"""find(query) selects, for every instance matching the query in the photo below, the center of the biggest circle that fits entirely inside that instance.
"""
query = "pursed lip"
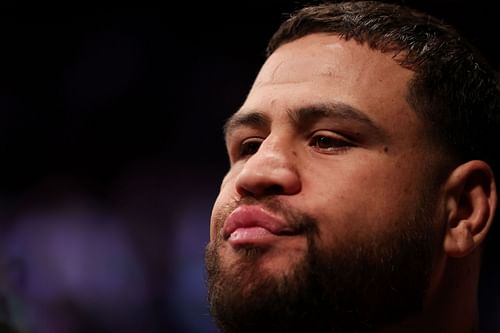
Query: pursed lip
(250, 216)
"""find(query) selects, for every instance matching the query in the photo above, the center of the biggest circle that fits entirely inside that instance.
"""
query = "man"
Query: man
(361, 186)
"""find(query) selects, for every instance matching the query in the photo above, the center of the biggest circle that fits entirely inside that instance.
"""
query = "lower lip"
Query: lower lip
(251, 236)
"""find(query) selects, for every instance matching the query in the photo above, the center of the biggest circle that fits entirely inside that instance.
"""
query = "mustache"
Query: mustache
(298, 221)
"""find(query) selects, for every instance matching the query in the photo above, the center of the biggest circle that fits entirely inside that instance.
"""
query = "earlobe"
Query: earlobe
(470, 196)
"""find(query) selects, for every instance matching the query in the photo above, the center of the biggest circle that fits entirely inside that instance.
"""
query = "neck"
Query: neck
(451, 303)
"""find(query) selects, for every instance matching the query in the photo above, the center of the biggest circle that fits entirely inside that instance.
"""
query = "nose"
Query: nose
(271, 170)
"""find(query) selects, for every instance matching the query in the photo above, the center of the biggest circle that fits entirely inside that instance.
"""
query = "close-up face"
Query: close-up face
(326, 129)
(325, 153)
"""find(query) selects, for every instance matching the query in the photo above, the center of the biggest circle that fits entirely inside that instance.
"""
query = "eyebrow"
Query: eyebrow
(304, 117)
(253, 119)
(307, 115)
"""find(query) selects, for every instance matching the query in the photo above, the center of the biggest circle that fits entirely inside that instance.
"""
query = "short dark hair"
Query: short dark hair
(454, 89)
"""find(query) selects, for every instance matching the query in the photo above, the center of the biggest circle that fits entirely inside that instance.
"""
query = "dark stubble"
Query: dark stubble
(361, 285)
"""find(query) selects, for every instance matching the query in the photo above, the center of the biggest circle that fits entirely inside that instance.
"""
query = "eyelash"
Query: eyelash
(249, 147)
(334, 144)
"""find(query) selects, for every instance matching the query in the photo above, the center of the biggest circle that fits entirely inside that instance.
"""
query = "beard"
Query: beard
(362, 284)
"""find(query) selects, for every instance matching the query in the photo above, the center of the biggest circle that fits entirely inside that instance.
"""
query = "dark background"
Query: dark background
(112, 153)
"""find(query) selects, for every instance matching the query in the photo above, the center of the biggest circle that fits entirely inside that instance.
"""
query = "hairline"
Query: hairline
(399, 55)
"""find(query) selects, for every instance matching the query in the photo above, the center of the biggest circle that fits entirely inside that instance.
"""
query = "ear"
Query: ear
(471, 198)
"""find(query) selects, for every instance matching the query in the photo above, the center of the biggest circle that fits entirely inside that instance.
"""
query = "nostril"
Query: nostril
(274, 189)
(244, 192)
(264, 191)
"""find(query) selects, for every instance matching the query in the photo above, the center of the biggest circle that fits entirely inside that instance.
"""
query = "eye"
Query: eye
(249, 147)
(329, 143)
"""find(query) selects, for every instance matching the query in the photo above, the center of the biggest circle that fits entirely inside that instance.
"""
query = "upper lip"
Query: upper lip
(255, 216)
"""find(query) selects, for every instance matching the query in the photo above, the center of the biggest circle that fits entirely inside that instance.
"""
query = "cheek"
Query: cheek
(360, 200)
(216, 209)
(225, 197)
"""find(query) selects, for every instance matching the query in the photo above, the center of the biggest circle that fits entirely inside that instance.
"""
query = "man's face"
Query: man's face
(332, 186)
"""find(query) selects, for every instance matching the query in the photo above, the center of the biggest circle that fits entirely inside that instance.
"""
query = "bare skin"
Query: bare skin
(327, 128)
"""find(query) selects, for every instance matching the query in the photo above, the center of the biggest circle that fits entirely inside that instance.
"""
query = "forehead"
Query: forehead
(323, 68)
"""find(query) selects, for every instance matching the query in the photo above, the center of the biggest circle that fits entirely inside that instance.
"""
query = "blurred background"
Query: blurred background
(112, 154)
